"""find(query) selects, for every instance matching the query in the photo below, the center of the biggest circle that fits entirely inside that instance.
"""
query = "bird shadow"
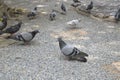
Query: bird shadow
(73, 28)
(71, 59)
(27, 44)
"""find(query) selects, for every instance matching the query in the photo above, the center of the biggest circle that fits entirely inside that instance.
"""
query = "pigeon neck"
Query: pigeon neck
(62, 44)
(34, 33)
(19, 25)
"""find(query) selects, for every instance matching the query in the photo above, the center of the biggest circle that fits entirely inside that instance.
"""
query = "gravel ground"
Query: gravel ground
(42, 59)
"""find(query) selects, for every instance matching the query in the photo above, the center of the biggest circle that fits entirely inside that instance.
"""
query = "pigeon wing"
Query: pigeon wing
(67, 50)
(26, 36)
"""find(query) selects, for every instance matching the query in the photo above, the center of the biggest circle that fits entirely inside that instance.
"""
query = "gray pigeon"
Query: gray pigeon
(117, 15)
(32, 14)
(71, 52)
(90, 6)
(52, 15)
(12, 29)
(63, 8)
(24, 36)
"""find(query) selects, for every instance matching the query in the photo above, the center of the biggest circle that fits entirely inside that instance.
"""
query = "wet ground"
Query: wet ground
(42, 59)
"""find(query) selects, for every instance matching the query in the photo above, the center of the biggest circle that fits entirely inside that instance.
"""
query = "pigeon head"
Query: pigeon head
(34, 32)
(20, 23)
(35, 8)
(91, 2)
(8, 8)
(59, 38)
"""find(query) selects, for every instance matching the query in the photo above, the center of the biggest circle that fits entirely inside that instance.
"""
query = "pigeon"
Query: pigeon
(90, 6)
(63, 8)
(32, 14)
(117, 15)
(76, 1)
(12, 29)
(24, 36)
(52, 15)
(3, 22)
(73, 22)
(71, 52)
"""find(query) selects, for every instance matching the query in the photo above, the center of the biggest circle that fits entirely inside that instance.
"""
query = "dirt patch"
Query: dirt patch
(117, 65)
(5, 42)
(71, 34)
(113, 68)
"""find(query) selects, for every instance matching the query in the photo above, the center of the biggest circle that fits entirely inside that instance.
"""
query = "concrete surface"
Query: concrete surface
(42, 59)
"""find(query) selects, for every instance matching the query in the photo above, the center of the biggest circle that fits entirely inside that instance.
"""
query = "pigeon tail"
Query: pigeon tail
(82, 54)
(61, 43)
(82, 59)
